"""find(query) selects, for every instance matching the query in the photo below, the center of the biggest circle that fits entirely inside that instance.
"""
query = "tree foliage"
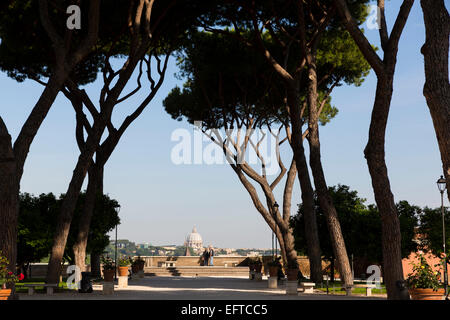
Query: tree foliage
(361, 226)
(35, 227)
(37, 221)
(226, 80)
(26, 50)
(430, 230)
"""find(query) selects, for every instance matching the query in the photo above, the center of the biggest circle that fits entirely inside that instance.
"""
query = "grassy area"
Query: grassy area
(20, 288)
(336, 288)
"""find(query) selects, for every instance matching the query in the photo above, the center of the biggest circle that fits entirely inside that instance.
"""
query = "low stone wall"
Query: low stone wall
(230, 261)
(190, 261)
(196, 271)
(39, 270)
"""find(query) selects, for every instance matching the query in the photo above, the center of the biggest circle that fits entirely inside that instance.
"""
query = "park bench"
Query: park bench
(368, 288)
(308, 287)
(48, 286)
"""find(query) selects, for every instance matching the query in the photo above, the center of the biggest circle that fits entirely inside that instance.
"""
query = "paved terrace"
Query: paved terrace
(194, 288)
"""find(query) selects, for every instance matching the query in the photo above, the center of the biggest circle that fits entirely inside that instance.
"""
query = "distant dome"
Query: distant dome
(194, 240)
(194, 236)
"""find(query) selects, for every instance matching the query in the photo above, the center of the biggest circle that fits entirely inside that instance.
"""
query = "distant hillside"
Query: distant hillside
(129, 248)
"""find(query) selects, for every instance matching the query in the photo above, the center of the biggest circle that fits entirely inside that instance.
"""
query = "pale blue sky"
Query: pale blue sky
(161, 202)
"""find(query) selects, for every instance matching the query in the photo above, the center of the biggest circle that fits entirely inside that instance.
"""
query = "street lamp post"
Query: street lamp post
(442, 183)
(115, 248)
(276, 206)
(273, 251)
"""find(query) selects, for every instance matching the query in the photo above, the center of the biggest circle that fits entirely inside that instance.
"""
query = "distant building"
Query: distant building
(230, 251)
(144, 245)
(194, 240)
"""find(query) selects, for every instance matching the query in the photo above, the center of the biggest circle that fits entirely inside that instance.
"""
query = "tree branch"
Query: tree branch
(384, 38)
(397, 29)
(362, 42)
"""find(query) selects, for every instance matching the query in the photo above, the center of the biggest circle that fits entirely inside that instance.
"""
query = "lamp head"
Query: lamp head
(442, 184)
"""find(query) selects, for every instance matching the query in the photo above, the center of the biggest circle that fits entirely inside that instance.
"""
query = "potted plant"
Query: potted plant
(135, 267)
(138, 265)
(108, 268)
(6, 276)
(274, 266)
(423, 282)
(124, 263)
(141, 263)
(258, 264)
(292, 272)
(251, 268)
(251, 265)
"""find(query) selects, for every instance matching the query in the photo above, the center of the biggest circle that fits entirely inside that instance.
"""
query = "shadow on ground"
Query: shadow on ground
(193, 288)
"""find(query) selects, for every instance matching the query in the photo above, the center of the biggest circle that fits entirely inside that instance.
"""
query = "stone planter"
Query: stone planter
(135, 268)
(5, 294)
(291, 287)
(141, 266)
(122, 282)
(426, 294)
(108, 288)
(273, 271)
(108, 275)
(123, 271)
(273, 282)
(258, 268)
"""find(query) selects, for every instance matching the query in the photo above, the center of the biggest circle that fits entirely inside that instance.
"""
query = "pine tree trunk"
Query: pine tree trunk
(37, 116)
(67, 210)
(374, 151)
(311, 230)
(70, 200)
(283, 251)
(326, 203)
(291, 253)
(9, 198)
(437, 88)
(12, 161)
(84, 161)
(95, 265)
(325, 200)
(93, 189)
(390, 227)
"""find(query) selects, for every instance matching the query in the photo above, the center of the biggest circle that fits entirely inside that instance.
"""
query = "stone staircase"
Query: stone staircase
(206, 271)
